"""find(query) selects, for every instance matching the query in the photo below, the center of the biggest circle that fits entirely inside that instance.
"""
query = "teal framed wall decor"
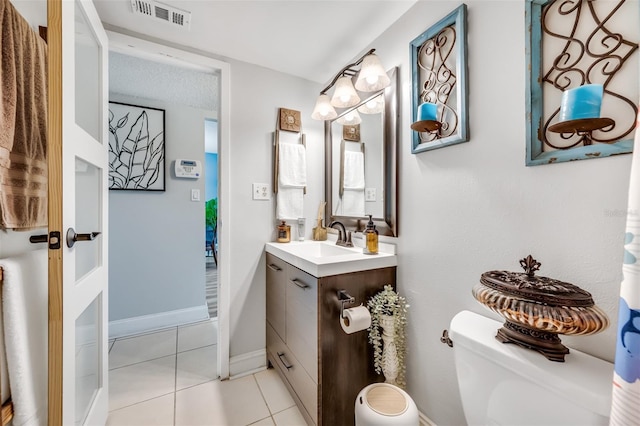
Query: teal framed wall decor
(571, 43)
(439, 76)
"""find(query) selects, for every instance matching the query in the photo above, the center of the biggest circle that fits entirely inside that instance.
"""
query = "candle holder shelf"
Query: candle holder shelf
(582, 127)
(428, 126)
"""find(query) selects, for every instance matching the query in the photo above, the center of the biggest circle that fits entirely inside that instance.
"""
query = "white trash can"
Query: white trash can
(382, 404)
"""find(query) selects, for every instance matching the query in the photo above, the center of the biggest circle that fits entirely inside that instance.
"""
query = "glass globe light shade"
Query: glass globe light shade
(345, 95)
(323, 109)
(372, 76)
(351, 118)
(372, 106)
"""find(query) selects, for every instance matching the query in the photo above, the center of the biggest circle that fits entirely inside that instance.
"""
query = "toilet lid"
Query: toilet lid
(386, 400)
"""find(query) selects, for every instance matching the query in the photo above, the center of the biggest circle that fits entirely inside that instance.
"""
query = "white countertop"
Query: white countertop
(324, 258)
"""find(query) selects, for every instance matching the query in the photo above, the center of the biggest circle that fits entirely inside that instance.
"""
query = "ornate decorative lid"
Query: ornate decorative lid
(535, 289)
(537, 309)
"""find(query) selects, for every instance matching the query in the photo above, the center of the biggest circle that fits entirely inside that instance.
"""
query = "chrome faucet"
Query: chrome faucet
(344, 238)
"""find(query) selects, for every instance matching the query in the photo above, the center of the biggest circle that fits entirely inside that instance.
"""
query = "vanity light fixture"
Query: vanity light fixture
(350, 119)
(371, 77)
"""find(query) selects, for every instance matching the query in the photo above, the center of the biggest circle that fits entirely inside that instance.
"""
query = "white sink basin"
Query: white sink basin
(318, 249)
(325, 258)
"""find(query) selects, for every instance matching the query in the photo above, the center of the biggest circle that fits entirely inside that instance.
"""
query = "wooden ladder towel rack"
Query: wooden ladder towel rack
(6, 414)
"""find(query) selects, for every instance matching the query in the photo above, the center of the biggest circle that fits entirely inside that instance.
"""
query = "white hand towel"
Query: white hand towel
(289, 203)
(25, 306)
(292, 178)
(353, 202)
(292, 165)
(353, 170)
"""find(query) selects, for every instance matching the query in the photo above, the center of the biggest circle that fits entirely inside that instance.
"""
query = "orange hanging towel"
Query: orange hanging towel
(23, 123)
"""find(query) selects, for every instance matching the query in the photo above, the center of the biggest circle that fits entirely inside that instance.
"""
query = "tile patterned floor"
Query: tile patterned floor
(169, 378)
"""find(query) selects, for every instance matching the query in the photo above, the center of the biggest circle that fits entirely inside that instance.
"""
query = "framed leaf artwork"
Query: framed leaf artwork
(136, 147)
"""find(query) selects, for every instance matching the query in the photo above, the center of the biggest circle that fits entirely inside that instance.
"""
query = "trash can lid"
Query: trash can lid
(386, 400)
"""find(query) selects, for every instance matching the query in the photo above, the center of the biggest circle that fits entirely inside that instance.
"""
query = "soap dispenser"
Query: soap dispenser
(284, 232)
(370, 238)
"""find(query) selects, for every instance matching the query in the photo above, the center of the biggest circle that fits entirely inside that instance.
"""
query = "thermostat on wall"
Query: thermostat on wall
(188, 168)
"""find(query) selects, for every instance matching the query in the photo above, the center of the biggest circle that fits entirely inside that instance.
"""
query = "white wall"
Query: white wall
(156, 242)
(256, 95)
(474, 207)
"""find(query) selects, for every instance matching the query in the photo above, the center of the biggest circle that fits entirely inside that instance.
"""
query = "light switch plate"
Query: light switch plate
(195, 195)
(261, 191)
(369, 194)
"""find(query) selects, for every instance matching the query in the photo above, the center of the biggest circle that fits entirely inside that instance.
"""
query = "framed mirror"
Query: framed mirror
(361, 162)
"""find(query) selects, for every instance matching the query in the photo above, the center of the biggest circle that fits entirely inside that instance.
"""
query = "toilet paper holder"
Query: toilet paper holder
(344, 297)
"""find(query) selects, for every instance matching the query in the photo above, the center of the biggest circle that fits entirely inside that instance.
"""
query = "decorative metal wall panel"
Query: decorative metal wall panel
(571, 43)
(439, 68)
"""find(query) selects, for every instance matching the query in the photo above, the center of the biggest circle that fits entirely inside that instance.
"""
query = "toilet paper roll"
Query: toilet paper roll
(355, 319)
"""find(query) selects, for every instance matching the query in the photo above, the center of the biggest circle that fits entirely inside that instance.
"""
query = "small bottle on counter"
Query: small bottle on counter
(370, 238)
(284, 233)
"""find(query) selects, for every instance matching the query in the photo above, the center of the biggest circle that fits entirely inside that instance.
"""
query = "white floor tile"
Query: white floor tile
(289, 417)
(155, 412)
(197, 366)
(274, 391)
(140, 382)
(264, 422)
(130, 350)
(197, 335)
(232, 402)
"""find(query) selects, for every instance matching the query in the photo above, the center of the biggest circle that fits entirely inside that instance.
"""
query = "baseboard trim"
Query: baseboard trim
(424, 420)
(146, 323)
(247, 363)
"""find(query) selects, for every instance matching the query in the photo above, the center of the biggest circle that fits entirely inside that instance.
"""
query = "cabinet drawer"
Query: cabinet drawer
(305, 388)
(302, 319)
(276, 285)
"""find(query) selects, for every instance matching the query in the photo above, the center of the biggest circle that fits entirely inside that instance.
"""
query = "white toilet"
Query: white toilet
(504, 384)
(382, 404)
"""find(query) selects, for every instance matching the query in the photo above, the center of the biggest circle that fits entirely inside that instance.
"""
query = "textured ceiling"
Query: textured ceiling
(312, 39)
(134, 76)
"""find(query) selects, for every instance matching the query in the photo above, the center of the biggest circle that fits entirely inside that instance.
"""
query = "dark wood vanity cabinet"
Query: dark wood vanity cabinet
(323, 367)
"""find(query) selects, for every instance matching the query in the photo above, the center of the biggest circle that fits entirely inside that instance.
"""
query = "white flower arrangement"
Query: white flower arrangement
(388, 302)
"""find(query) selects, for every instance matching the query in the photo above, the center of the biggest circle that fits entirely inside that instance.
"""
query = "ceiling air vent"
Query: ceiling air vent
(163, 12)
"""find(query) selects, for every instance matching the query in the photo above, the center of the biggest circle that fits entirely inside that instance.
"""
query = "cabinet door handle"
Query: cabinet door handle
(274, 267)
(284, 361)
(300, 284)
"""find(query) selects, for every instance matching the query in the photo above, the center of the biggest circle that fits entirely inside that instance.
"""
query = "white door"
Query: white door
(82, 395)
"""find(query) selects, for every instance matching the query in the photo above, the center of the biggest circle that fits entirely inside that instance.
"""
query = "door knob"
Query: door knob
(72, 237)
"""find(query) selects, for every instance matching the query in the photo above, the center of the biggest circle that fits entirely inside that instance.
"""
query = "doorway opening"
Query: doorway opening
(211, 214)
(144, 49)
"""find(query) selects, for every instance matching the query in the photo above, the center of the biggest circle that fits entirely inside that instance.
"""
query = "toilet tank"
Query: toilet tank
(505, 384)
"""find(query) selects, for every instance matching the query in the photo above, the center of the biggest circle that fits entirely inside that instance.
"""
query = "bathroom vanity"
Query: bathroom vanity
(323, 367)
